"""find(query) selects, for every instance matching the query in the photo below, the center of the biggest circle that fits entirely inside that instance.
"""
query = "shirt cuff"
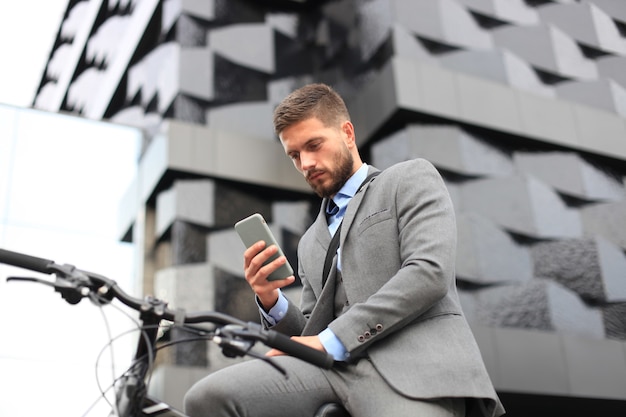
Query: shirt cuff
(276, 313)
(333, 345)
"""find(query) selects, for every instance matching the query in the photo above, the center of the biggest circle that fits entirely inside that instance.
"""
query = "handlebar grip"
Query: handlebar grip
(26, 261)
(285, 344)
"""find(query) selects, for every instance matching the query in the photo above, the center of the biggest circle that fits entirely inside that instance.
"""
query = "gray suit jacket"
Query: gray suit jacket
(398, 248)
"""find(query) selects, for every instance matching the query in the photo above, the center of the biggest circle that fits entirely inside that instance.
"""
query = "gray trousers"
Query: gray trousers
(254, 389)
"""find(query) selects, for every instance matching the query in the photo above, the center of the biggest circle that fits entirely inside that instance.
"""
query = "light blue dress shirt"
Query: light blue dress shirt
(331, 343)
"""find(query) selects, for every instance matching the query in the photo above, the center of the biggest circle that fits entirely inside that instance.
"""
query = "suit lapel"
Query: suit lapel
(353, 208)
(320, 226)
(322, 240)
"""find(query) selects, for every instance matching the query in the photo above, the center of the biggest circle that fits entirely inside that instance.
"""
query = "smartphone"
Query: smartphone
(254, 228)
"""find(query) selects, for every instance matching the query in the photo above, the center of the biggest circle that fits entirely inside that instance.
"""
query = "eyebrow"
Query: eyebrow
(308, 141)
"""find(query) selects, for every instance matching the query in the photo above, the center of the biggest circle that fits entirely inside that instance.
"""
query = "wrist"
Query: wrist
(268, 300)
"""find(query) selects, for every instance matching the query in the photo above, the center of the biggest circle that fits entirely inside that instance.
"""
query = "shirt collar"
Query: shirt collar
(351, 186)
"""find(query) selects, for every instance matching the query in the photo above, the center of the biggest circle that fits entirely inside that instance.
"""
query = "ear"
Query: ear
(348, 130)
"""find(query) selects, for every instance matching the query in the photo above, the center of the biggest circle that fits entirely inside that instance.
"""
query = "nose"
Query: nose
(307, 162)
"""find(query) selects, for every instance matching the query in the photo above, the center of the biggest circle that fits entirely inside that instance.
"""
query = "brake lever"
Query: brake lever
(235, 340)
(232, 340)
(70, 291)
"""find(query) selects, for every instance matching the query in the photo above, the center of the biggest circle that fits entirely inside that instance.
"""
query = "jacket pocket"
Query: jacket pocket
(373, 219)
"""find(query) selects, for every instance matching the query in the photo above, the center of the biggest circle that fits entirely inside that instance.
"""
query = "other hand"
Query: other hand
(256, 273)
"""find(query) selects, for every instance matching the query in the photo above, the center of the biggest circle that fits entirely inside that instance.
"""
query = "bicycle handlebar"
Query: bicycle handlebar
(75, 284)
(26, 261)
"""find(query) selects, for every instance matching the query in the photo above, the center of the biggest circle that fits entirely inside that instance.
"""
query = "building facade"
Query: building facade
(520, 104)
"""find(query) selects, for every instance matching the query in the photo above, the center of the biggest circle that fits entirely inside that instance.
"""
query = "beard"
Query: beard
(341, 173)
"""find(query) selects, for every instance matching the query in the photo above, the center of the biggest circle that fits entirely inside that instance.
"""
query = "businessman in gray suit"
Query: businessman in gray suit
(387, 310)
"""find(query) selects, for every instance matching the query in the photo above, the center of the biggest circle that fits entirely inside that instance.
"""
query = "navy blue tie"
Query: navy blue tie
(332, 209)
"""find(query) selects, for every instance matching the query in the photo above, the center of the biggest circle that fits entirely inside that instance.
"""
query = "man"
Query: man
(388, 310)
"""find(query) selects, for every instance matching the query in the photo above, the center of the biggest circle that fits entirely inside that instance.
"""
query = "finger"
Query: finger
(270, 266)
(263, 256)
(261, 266)
(265, 271)
(252, 251)
(274, 352)
(280, 283)
(254, 258)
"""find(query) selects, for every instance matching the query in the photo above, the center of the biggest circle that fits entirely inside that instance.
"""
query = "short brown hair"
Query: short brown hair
(313, 100)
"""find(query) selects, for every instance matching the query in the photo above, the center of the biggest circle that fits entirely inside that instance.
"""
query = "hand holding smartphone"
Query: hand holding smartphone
(254, 228)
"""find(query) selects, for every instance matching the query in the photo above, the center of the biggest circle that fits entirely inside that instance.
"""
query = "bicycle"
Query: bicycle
(235, 337)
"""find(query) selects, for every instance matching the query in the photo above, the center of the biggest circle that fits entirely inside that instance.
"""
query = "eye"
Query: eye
(294, 156)
(313, 146)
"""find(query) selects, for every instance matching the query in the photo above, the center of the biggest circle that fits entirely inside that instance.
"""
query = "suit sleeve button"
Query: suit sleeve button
(379, 327)
(361, 338)
(367, 335)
